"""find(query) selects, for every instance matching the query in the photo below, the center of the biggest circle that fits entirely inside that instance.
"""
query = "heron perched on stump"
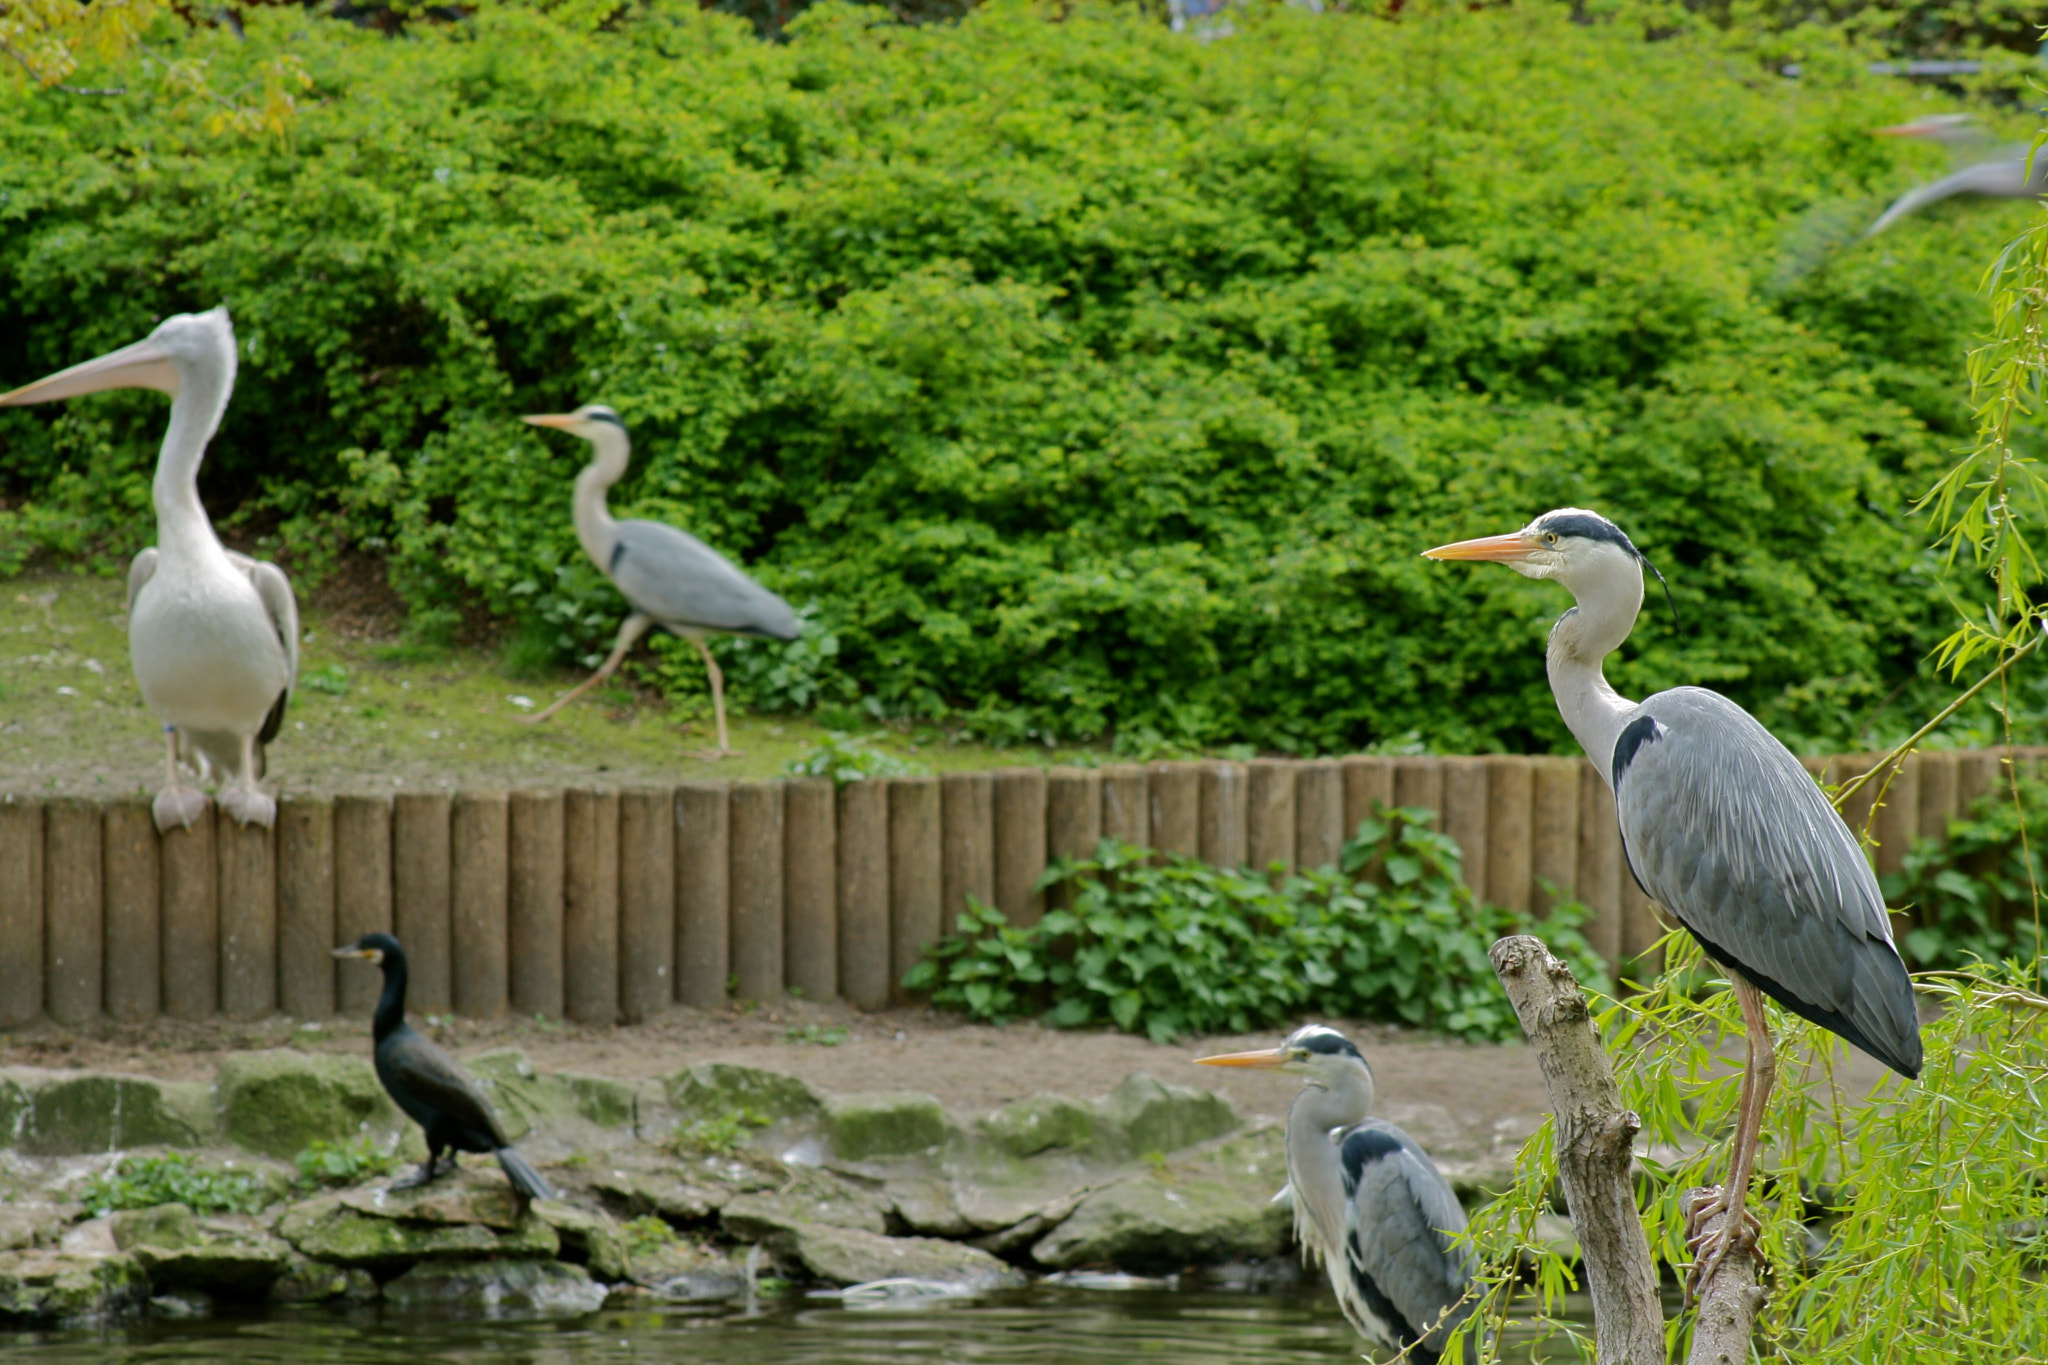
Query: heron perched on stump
(213, 636)
(1368, 1201)
(668, 577)
(1722, 827)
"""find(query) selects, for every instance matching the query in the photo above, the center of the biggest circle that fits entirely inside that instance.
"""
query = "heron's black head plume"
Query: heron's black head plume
(1592, 526)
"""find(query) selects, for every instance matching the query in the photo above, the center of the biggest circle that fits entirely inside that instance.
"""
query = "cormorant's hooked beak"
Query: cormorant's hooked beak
(560, 421)
(144, 365)
(375, 955)
(1508, 549)
(1271, 1058)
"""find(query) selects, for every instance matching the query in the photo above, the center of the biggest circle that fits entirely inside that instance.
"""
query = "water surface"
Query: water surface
(1042, 1325)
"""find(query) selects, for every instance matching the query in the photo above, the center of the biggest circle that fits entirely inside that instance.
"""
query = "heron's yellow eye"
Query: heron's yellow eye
(1550, 537)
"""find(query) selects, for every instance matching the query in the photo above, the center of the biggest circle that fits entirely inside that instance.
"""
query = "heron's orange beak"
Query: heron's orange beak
(1271, 1058)
(1505, 549)
(145, 365)
(559, 421)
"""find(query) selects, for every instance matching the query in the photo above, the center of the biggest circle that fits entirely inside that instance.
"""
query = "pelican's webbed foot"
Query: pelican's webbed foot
(250, 806)
(178, 807)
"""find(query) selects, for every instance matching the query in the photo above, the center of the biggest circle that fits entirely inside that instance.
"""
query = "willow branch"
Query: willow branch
(1890, 760)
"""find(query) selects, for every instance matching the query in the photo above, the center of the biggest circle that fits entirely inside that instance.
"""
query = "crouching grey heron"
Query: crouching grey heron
(668, 577)
(1368, 1201)
(1722, 827)
(213, 636)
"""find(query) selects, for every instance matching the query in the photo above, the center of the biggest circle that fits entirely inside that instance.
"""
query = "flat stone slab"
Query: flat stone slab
(850, 1256)
(326, 1229)
(235, 1268)
(61, 1113)
(29, 1225)
(464, 1197)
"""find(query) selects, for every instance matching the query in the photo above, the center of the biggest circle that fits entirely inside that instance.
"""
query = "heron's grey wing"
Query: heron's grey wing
(2002, 179)
(1723, 828)
(436, 1078)
(681, 582)
(1407, 1264)
(140, 570)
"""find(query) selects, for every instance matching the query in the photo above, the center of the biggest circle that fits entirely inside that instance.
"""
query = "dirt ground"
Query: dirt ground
(969, 1067)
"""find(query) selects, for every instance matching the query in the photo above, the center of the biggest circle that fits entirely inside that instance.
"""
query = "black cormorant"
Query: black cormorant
(428, 1085)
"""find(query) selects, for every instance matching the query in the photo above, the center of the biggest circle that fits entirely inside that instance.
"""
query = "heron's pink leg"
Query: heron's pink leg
(724, 748)
(1759, 1074)
(630, 631)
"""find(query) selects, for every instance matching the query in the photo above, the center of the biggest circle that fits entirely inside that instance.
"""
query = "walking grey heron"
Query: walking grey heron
(2004, 176)
(213, 636)
(1368, 1201)
(1722, 827)
(668, 577)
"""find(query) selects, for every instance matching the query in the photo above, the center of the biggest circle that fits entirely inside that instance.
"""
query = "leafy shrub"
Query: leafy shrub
(343, 1163)
(1171, 945)
(1086, 380)
(1972, 899)
(143, 1182)
(849, 758)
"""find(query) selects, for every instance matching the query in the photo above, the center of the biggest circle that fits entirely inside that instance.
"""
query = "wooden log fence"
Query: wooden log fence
(607, 904)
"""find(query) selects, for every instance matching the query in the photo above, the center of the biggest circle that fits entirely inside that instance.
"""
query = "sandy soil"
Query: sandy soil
(969, 1067)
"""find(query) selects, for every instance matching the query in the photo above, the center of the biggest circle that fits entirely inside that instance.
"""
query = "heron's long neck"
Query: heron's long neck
(594, 525)
(182, 527)
(1314, 1165)
(390, 1015)
(1581, 639)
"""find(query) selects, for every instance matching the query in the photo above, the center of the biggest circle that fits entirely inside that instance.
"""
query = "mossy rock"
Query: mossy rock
(234, 1269)
(166, 1225)
(590, 1238)
(1202, 1207)
(884, 1124)
(70, 1112)
(305, 1281)
(713, 1091)
(46, 1286)
(1142, 1116)
(325, 1229)
(850, 1256)
(600, 1100)
(278, 1102)
(498, 1288)
(1040, 1123)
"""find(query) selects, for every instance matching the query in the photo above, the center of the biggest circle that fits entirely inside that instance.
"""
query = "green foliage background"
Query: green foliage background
(1077, 377)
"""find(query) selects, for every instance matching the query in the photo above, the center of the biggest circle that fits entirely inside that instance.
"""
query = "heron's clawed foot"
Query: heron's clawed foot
(250, 806)
(1709, 1245)
(178, 807)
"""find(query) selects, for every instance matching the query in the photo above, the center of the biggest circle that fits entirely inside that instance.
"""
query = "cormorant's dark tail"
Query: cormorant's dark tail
(524, 1178)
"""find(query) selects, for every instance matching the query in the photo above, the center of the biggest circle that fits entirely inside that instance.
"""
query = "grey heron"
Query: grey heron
(1722, 827)
(1368, 1201)
(213, 636)
(2004, 176)
(668, 577)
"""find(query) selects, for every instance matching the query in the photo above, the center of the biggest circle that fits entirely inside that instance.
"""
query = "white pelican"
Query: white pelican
(668, 577)
(213, 636)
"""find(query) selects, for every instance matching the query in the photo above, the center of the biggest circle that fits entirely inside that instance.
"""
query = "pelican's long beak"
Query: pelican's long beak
(1505, 549)
(145, 365)
(1271, 1058)
(560, 421)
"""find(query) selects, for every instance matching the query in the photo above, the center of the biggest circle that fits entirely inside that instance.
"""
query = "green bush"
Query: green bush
(1074, 378)
(1972, 899)
(1168, 945)
(143, 1182)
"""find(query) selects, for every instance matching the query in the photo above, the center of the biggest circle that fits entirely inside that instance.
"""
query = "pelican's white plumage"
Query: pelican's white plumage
(213, 636)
